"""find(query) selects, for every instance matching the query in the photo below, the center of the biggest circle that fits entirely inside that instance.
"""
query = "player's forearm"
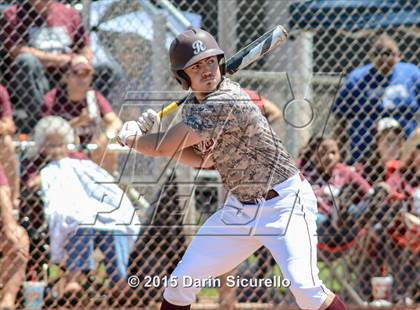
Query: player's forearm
(160, 144)
(148, 145)
(46, 58)
(188, 157)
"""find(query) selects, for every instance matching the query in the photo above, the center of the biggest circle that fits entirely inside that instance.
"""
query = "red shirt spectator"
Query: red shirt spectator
(267, 108)
(60, 30)
(256, 98)
(402, 191)
(5, 105)
(57, 103)
(391, 167)
(341, 177)
(336, 186)
(346, 187)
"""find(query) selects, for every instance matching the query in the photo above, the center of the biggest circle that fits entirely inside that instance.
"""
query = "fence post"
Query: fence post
(159, 53)
(299, 112)
(277, 14)
(86, 13)
(226, 23)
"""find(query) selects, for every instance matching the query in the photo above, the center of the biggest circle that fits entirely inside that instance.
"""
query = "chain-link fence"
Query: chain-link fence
(347, 84)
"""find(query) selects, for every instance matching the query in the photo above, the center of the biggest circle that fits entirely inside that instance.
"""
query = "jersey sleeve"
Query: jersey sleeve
(216, 115)
(5, 105)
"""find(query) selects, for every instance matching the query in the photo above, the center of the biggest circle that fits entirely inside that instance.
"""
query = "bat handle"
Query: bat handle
(171, 107)
(168, 109)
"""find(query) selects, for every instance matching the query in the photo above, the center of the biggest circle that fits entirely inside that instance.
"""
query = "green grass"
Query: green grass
(209, 293)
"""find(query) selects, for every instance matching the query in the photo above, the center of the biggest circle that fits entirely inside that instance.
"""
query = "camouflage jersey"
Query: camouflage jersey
(249, 156)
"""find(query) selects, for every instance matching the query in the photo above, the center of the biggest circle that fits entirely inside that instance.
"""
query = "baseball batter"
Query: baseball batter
(269, 202)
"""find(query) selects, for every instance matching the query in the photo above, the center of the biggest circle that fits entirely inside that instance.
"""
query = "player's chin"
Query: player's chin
(209, 86)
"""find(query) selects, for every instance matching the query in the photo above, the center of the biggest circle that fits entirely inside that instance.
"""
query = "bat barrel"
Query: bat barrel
(256, 49)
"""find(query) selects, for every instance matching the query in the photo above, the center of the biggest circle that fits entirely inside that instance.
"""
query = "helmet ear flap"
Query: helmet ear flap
(183, 79)
(222, 64)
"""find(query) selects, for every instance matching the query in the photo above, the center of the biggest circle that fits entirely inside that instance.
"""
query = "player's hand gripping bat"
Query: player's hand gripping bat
(246, 56)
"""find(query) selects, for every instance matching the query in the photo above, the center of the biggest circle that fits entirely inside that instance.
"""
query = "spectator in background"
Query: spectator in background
(393, 224)
(40, 37)
(388, 142)
(14, 246)
(339, 190)
(384, 161)
(404, 225)
(386, 87)
(87, 111)
(269, 109)
(82, 214)
(7, 148)
(32, 215)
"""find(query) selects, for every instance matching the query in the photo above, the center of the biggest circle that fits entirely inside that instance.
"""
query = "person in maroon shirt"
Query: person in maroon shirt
(40, 38)
(393, 217)
(14, 246)
(401, 220)
(336, 186)
(7, 147)
(268, 108)
(87, 111)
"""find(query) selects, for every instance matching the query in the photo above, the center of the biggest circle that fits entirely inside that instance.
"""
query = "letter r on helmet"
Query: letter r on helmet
(198, 47)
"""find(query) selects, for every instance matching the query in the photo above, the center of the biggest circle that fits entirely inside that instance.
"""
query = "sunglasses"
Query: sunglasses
(81, 73)
(383, 53)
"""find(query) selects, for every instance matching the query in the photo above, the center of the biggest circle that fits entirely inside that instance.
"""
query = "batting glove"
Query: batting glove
(149, 122)
(130, 128)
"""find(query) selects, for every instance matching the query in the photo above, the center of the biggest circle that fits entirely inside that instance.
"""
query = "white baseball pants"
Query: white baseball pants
(285, 225)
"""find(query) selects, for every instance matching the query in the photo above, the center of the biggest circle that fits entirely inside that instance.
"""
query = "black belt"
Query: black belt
(270, 195)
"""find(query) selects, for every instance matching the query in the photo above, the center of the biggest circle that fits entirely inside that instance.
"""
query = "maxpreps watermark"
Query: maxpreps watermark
(209, 282)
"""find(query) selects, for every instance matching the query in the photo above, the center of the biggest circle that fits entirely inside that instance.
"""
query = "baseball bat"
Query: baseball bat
(244, 57)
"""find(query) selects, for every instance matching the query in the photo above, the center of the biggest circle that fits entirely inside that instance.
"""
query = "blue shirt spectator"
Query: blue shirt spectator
(384, 88)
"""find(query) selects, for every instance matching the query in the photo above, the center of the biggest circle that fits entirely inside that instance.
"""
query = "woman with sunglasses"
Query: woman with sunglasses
(87, 110)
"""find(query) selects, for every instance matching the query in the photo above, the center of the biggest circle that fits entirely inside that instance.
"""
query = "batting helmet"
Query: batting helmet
(190, 47)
